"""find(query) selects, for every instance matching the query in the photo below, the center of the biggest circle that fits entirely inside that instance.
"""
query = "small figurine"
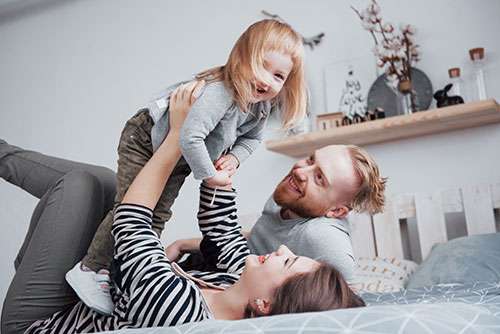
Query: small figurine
(377, 113)
(443, 100)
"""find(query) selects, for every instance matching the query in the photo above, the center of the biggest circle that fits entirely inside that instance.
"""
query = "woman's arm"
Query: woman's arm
(223, 246)
(180, 247)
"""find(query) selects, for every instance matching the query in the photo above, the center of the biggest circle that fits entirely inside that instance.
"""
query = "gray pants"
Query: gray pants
(74, 198)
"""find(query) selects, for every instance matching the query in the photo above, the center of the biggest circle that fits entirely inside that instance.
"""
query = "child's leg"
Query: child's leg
(134, 151)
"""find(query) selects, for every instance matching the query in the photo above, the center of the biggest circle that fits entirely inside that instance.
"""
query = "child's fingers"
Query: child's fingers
(219, 161)
(225, 164)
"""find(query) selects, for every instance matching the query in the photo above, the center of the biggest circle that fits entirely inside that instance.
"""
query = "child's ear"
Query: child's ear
(338, 212)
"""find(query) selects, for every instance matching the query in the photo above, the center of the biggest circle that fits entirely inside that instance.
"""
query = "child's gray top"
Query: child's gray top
(213, 125)
(323, 239)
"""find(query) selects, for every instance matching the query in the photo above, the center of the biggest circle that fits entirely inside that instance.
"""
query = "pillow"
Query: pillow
(463, 260)
(382, 274)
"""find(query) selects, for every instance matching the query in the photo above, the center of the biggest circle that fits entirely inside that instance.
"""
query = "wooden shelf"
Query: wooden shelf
(392, 128)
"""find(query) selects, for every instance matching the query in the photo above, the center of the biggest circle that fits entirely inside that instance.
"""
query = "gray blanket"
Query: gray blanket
(449, 308)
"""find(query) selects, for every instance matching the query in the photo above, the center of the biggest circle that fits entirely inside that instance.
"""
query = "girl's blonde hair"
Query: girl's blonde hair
(245, 65)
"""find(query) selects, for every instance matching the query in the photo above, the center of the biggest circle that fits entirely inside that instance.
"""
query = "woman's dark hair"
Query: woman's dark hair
(320, 290)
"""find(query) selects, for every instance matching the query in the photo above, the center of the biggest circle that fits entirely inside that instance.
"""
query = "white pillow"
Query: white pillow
(379, 274)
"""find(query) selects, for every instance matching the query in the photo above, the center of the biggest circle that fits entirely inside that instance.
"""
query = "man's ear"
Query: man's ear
(338, 212)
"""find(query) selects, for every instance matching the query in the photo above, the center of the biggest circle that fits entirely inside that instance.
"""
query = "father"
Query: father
(308, 208)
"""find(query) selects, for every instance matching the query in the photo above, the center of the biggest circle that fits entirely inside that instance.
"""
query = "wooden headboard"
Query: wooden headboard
(386, 234)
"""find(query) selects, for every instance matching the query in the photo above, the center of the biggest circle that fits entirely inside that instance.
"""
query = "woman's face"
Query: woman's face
(265, 273)
(278, 66)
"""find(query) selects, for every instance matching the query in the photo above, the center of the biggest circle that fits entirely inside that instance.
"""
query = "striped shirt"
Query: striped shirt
(151, 291)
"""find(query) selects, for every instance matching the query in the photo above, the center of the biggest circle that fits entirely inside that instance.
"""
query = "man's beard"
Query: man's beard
(294, 204)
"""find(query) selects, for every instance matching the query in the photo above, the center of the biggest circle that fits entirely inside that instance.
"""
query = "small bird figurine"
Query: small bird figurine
(309, 41)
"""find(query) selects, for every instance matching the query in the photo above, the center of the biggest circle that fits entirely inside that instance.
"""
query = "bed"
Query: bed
(455, 289)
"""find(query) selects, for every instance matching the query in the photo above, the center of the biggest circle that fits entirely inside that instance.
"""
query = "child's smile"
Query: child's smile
(278, 65)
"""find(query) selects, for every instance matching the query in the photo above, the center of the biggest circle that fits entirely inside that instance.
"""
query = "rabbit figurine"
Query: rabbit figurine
(443, 100)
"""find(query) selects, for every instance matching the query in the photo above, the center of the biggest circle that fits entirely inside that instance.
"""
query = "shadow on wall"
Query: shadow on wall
(12, 10)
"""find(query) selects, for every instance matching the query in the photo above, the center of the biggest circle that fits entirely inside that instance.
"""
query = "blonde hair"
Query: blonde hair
(245, 65)
(370, 195)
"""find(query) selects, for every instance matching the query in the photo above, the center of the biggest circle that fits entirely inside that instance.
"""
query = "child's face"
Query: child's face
(278, 65)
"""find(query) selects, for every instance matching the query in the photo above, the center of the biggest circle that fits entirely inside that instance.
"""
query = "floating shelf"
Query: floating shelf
(392, 128)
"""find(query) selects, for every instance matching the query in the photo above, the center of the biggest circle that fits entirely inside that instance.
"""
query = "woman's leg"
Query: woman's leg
(63, 225)
(37, 173)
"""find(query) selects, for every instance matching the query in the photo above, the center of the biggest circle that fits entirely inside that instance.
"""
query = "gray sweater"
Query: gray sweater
(213, 125)
(324, 239)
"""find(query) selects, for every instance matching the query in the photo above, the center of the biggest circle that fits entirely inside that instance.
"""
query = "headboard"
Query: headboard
(388, 234)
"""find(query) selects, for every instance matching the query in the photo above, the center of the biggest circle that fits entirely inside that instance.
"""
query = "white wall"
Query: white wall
(71, 74)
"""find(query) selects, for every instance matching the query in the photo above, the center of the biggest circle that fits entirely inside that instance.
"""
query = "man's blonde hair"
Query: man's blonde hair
(245, 65)
(370, 195)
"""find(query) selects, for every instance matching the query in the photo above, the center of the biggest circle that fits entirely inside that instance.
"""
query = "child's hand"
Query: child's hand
(181, 100)
(228, 163)
(221, 179)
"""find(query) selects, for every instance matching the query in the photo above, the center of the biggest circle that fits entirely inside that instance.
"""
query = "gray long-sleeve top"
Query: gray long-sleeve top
(214, 124)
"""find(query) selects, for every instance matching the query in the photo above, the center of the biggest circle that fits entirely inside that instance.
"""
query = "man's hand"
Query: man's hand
(228, 163)
(176, 249)
(221, 179)
(173, 251)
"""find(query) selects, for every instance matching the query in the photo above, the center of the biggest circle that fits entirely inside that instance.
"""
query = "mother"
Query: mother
(148, 290)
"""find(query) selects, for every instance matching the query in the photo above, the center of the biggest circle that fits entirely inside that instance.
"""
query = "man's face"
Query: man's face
(320, 184)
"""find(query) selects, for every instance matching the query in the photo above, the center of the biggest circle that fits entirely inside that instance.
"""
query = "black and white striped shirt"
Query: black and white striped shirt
(150, 290)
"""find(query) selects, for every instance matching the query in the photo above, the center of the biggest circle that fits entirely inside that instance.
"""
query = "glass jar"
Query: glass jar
(458, 86)
(477, 58)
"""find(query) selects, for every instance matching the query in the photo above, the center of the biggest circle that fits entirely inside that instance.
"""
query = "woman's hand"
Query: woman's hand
(181, 100)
